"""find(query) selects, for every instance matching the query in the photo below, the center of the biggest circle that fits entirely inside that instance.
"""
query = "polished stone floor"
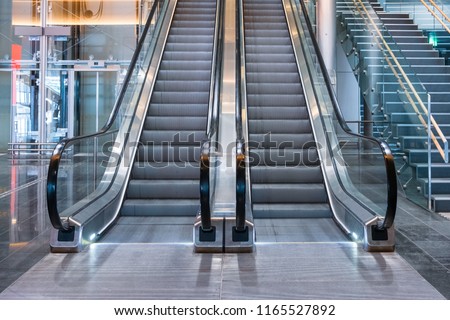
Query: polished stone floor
(26, 266)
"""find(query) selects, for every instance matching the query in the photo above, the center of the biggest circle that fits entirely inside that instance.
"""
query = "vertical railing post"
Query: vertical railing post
(429, 151)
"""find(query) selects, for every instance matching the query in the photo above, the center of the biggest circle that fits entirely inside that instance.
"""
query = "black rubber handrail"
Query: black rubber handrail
(213, 123)
(55, 159)
(391, 174)
(240, 140)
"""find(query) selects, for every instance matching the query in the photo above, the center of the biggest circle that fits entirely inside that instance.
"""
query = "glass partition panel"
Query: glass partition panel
(358, 162)
(83, 168)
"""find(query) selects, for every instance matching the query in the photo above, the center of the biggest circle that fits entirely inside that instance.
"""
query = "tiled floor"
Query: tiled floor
(423, 246)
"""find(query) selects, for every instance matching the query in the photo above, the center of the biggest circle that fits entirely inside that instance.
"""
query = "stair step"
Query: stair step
(441, 203)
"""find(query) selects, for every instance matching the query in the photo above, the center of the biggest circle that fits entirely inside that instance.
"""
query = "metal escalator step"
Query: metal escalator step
(169, 207)
(271, 67)
(190, 47)
(261, 49)
(173, 137)
(257, 33)
(175, 122)
(277, 112)
(163, 189)
(270, 58)
(275, 89)
(167, 171)
(273, 78)
(280, 126)
(261, 5)
(167, 153)
(184, 66)
(190, 39)
(268, 19)
(189, 10)
(187, 109)
(193, 24)
(284, 157)
(184, 75)
(270, 174)
(289, 193)
(267, 41)
(277, 25)
(282, 140)
(179, 31)
(187, 56)
(307, 210)
(193, 17)
(261, 13)
(182, 86)
(273, 100)
(180, 97)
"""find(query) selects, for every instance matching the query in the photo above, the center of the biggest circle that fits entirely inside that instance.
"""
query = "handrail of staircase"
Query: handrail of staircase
(430, 10)
(240, 139)
(52, 175)
(443, 151)
(391, 174)
(213, 121)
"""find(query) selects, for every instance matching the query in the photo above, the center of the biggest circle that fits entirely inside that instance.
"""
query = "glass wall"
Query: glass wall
(71, 89)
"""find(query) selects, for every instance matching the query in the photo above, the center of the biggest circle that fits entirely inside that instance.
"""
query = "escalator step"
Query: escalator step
(280, 126)
(173, 137)
(163, 189)
(277, 112)
(179, 97)
(169, 171)
(182, 86)
(168, 153)
(284, 157)
(188, 109)
(300, 174)
(280, 210)
(173, 123)
(144, 207)
(282, 141)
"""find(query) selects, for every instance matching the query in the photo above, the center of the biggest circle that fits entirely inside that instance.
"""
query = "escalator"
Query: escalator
(165, 175)
(309, 177)
(142, 167)
(287, 181)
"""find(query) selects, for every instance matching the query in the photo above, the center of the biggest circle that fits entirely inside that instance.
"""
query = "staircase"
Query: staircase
(402, 126)
(286, 177)
(165, 175)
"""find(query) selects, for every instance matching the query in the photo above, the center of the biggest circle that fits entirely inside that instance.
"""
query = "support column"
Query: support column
(326, 34)
(42, 74)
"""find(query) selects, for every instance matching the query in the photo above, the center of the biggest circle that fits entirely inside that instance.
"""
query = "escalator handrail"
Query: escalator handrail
(55, 159)
(391, 174)
(213, 121)
(240, 139)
